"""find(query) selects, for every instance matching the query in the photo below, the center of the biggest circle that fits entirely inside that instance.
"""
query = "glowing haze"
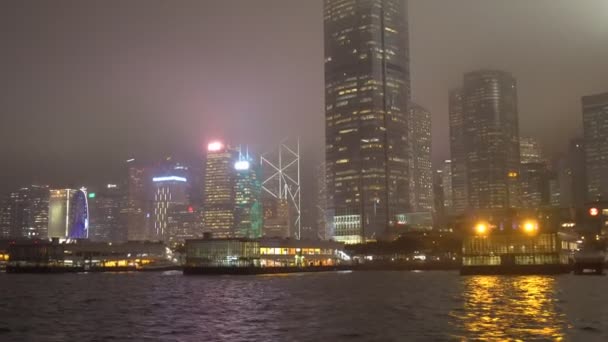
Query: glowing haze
(87, 85)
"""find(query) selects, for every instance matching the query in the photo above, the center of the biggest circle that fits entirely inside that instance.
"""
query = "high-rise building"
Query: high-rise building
(218, 211)
(459, 184)
(169, 190)
(530, 150)
(107, 223)
(491, 140)
(446, 181)
(276, 217)
(68, 214)
(367, 94)
(137, 204)
(324, 219)
(248, 215)
(24, 213)
(438, 198)
(535, 185)
(421, 173)
(578, 173)
(595, 128)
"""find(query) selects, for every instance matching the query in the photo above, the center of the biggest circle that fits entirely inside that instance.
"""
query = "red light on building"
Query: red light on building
(190, 210)
(594, 211)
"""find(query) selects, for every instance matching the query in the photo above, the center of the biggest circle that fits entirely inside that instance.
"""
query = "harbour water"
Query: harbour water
(336, 306)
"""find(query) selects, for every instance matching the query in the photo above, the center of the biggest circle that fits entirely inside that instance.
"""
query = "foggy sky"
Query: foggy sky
(87, 84)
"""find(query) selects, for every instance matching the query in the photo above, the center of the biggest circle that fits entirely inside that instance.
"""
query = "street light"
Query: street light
(481, 228)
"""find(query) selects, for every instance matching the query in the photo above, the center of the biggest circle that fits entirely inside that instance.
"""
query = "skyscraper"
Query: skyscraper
(446, 174)
(460, 197)
(367, 92)
(24, 213)
(530, 150)
(421, 173)
(248, 216)
(491, 139)
(107, 224)
(169, 191)
(136, 204)
(218, 211)
(595, 128)
(68, 214)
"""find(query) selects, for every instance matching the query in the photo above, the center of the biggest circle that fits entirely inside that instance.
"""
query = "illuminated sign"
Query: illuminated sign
(594, 211)
(169, 179)
(92, 195)
(215, 146)
(241, 165)
(112, 186)
(130, 160)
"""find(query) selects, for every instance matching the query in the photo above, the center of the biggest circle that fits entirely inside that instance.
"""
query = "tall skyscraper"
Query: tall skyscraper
(530, 151)
(491, 139)
(24, 213)
(421, 173)
(218, 211)
(248, 216)
(135, 210)
(107, 223)
(367, 93)
(169, 190)
(460, 197)
(446, 174)
(595, 128)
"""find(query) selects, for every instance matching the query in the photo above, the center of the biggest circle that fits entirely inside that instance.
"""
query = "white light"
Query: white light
(215, 146)
(112, 186)
(130, 160)
(169, 178)
(241, 165)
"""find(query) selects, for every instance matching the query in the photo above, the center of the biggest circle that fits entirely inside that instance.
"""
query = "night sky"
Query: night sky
(87, 84)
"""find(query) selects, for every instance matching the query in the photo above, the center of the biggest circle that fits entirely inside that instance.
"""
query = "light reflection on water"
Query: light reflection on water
(498, 308)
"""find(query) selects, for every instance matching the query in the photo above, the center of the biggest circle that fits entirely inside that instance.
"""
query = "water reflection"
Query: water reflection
(510, 308)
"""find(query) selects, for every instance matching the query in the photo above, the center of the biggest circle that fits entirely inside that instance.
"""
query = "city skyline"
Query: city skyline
(153, 96)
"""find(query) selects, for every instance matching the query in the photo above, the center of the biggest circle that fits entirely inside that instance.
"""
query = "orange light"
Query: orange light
(481, 228)
(530, 227)
(594, 211)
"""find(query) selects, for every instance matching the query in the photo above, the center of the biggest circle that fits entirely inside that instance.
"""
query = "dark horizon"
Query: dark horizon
(88, 85)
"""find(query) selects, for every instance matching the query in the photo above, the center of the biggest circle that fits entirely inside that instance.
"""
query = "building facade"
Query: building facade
(595, 128)
(107, 223)
(491, 140)
(68, 214)
(135, 210)
(169, 191)
(459, 184)
(530, 151)
(218, 211)
(367, 94)
(421, 168)
(248, 215)
(24, 213)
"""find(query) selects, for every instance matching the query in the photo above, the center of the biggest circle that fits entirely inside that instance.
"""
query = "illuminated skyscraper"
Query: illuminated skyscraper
(218, 210)
(460, 197)
(367, 92)
(491, 139)
(170, 190)
(68, 214)
(421, 180)
(595, 127)
(248, 216)
(24, 213)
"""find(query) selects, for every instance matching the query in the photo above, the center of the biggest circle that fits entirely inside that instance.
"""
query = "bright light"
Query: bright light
(169, 178)
(481, 228)
(130, 160)
(530, 227)
(215, 146)
(594, 211)
(241, 165)
(92, 195)
(112, 186)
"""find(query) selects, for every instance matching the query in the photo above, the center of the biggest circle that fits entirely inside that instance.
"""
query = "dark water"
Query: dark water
(359, 306)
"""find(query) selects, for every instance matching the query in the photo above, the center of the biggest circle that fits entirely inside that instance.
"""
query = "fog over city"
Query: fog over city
(88, 84)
